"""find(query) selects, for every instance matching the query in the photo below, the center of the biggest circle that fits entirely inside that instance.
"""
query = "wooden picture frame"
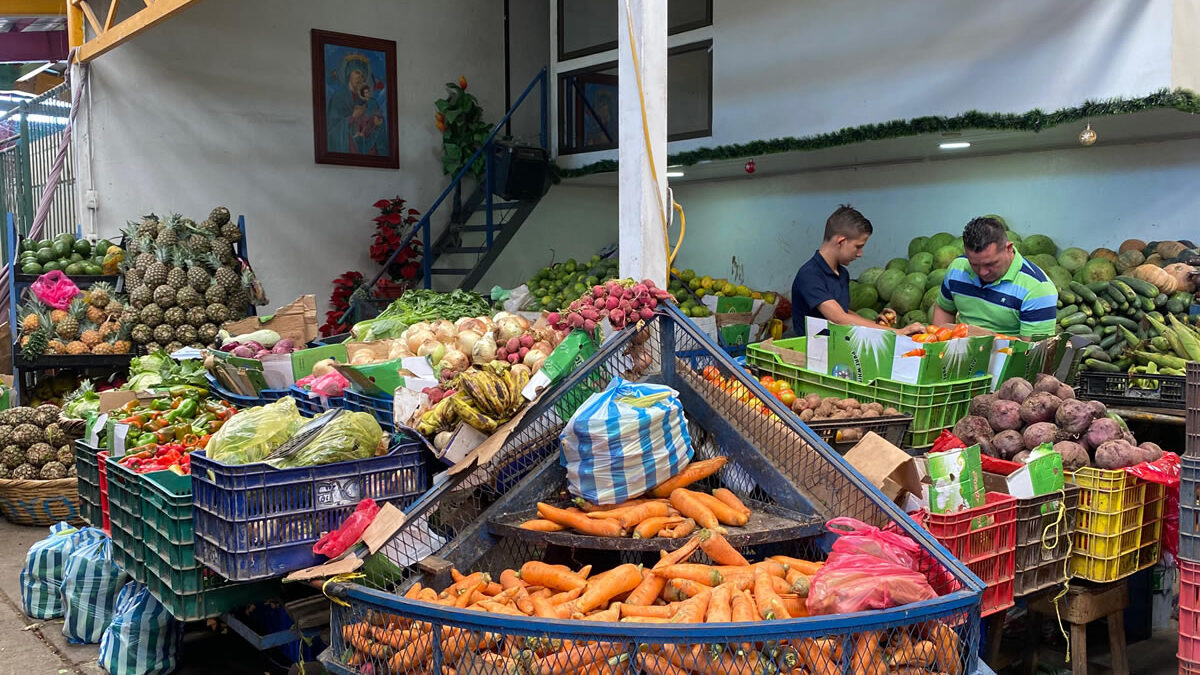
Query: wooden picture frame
(355, 119)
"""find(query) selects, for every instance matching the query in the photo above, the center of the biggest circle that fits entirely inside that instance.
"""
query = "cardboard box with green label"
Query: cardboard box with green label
(863, 354)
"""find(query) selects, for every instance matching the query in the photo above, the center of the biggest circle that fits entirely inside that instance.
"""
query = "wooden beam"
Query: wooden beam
(144, 19)
(112, 13)
(74, 26)
(91, 16)
(34, 7)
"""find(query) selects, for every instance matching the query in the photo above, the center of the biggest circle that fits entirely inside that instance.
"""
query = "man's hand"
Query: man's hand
(912, 329)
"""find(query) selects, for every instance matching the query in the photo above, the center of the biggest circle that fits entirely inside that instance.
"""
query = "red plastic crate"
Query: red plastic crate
(999, 573)
(979, 533)
(1189, 614)
(102, 458)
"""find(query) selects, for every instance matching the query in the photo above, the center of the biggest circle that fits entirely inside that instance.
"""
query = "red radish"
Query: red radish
(501, 354)
(590, 314)
(553, 318)
(598, 291)
(617, 318)
(525, 350)
(598, 303)
(575, 306)
(647, 314)
(649, 283)
(589, 325)
(611, 302)
(527, 340)
(512, 345)
(652, 303)
(576, 320)
(512, 358)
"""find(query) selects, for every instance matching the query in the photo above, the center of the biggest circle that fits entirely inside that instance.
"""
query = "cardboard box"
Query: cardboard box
(885, 466)
(947, 361)
(955, 480)
(864, 354)
(304, 359)
(1018, 358)
(296, 320)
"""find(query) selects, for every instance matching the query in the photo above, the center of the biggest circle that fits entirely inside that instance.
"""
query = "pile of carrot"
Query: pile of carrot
(673, 591)
(670, 510)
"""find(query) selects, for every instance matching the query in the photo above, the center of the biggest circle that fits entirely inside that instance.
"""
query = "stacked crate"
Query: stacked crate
(1189, 532)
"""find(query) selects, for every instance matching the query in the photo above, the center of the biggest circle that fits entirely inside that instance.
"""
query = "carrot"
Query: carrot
(540, 574)
(803, 566)
(458, 641)
(719, 609)
(584, 572)
(456, 576)
(687, 504)
(371, 649)
(541, 525)
(413, 591)
(566, 596)
(631, 517)
(623, 508)
(705, 574)
(498, 608)
(509, 579)
(724, 512)
(652, 526)
(780, 586)
(353, 630)
(601, 527)
(467, 582)
(645, 619)
(693, 609)
(613, 613)
(694, 472)
(818, 657)
(794, 604)
(589, 507)
(867, 657)
(653, 664)
(726, 495)
(356, 659)
(498, 664)
(427, 595)
(651, 611)
(464, 598)
(572, 658)
(678, 590)
(413, 655)
(715, 546)
(766, 600)
(680, 531)
(623, 579)
(919, 654)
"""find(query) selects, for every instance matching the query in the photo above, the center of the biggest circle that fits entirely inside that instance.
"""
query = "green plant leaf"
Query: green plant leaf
(441, 104)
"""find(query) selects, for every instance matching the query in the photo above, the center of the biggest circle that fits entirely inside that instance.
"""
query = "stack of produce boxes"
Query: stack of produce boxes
(1189, 532)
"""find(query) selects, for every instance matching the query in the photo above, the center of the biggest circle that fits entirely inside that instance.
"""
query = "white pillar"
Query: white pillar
(643, 192)
(81, 158)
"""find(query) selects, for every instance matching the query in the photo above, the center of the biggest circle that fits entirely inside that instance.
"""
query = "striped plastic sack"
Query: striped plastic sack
(89, 591)
(625, 440)
(143, 638)
(42, 574)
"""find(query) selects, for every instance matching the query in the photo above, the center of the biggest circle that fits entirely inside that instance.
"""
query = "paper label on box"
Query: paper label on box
(816, 331)
(118, 435)
(338, 491)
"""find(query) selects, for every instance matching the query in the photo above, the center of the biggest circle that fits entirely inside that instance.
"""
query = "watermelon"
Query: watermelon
(906, 298)
(868, 314)
(898, 264)
(938, 240)
(1060, 276)
(917, 279)
(944, 256)
(862, 296)
(916, 246)
(935, 279)
(1097, 269)
(870, 275)
(887, 283)
(930, 297)
(1072, 258)
(1038, 243)
(921, 262)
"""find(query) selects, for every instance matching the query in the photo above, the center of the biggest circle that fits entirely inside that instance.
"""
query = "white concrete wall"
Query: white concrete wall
(215, 107)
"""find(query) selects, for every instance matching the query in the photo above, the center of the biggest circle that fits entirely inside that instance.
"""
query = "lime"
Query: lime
(103, 245)
(51, 265)
(61, 249)
(45, 254)
(92, 269)
(31, 268)
(74, 269)
(84, 248)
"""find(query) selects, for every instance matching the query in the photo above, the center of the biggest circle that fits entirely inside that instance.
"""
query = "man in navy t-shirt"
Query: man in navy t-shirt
(822, 286)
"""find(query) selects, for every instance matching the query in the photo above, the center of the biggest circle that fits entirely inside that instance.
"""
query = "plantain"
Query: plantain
(516, 379)
(471, 415)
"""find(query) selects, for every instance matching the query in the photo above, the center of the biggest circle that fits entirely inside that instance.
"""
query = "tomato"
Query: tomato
(787, 397)
(774, 387)
(766, 380)
(921, 337)
(711, 373)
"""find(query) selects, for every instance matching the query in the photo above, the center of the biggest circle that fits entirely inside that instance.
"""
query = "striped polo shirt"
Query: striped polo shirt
(1023, 302)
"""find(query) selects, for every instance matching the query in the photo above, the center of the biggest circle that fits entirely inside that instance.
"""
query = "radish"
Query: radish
(647, 314)
(617, 318)
(590, 314)
(525, 350)
(599, 291)
(512, 358)
(553, 318)
(512, 345)
(611, 302)
(527, 340)
(589, 325)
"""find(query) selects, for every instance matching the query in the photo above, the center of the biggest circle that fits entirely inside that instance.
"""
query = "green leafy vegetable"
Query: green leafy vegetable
(419, 305)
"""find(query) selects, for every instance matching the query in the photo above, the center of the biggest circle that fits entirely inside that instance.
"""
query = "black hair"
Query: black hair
(847, 222)
(981, 233)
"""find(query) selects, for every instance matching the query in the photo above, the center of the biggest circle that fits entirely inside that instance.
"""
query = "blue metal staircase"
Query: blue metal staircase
(482, 224)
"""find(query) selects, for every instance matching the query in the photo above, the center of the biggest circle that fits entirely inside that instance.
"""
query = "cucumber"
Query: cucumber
(1111, 292)
(1085, 293)
(1068, 310)
(1086, 309)
(1124, 289)
(1068, 297)
(1096, 352)
(1146, 304)
(1116, 350)
(1078, 329)
(1059, 303)
(1110, 340)
(1138, 315)
(1123, 363)
(1090, 321)
(1107, 330)
(1097, 286)
(1160, 300)
(1102, 307)
(1156, 316)
(1138, 286)
(1118, 321)
(1123, 308)
(1174, 306)
(1102, 366)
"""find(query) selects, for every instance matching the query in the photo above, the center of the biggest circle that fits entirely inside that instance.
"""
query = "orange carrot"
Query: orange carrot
(719, 608)
(800, 583)
(867, 657)
(652, 584)
(652, 611)
(645, 619)
(724, 512)
(566, 596)
(694, 472)
(652, 526)
(589, 507)
(456, 576)
(623, 579)
(623, 508)
(542, 525)
(766, 599)
(715, 546)
(371, 649)
(469, 581)
(742, 607)
(540, 574)
(631, 517)
(726, 495)
(803, 566)
(572, 658)
(693, 609)
(653, 664)
(705, 574)
(464, 598)
(794, 604)
(542, 608)
(509, 579)
(427, 595)
(679, 531)
(492, 588)
(413, 591)
(678, 590)
(413, 656)
(613, 613)
(780, 586)
(687, 504)
(819, 656)
(601, 527)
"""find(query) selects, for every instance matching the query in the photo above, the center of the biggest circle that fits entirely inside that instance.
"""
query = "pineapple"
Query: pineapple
(144, 259)
(99, 295)
(175, 316)
(57, 315)
(173, 347)
(26, 434)
(164, 296)
(46, 414)
(133, 277)
(151, 315)
(96, 314)
(56, 347)
(53, 470)
(219, 216)
(196, 316)
(141, 333)
(24, 472)
(197, 276)
(12, 456)
(189, 297)
(148, 227)
(6, 432)
(109, 329)
(68, 328)
(141, 296)
(207, 333)
(176, 275)
(5, 472)
(122, 347)
(30, 319)
(163, 333)
(129, 315)
(90, 337)
(75, 347)
(34, 345)
(214, 294)
(186, 334)
(103, 348)
(156, 272)
(217, 313)
(55, 435)
(65, 454)
(168, 233)
(231, 232)
(152, 347)
(226, 277)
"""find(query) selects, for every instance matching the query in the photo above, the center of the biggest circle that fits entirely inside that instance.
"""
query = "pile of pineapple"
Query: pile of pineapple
(96, 322)
(33, 446)
(183, 280)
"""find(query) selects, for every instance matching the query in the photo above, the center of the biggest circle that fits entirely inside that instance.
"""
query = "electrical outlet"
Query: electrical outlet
(90, 199)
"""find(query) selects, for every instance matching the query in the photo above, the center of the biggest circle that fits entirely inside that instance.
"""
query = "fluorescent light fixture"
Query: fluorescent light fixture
(34, 73)
(674, 174)
(957, 145)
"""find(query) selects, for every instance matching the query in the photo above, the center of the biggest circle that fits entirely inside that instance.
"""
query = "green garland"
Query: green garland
(1034, 120)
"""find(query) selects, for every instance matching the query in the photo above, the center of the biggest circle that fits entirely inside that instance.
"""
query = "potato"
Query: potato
(807, 415)
(1118, 454)
(847, 403)
(890, 411)
(874, 405)
(1152, 451)
(812, 400)
(849, 435)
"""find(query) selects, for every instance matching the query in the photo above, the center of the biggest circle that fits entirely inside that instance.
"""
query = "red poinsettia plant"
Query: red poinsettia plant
(392, 225)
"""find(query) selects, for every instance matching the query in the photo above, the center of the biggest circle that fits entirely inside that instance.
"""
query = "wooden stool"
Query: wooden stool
(1082, 605)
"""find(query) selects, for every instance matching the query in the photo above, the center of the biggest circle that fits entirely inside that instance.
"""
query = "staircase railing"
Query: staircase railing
(423, 227)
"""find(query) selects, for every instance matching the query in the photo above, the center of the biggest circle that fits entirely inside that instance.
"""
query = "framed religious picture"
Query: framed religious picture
(354, 100)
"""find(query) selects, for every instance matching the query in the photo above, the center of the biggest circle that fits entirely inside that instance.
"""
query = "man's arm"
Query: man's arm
(832, 311)
(941, 317)
(945, 312)
(1039, 311)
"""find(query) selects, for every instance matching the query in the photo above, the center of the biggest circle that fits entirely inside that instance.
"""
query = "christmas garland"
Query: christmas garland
(1033, 120)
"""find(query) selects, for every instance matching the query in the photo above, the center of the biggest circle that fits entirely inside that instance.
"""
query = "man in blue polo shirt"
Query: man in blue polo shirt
(822, 286)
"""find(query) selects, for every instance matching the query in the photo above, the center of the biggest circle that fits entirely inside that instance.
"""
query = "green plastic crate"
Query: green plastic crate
(125, 517)
(88, 468)
(934, 407)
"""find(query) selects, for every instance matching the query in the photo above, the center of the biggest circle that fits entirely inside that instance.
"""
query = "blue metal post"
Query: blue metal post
(489, 184)
(426, 252)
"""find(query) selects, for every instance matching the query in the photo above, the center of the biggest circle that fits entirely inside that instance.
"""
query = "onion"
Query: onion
(466, 340)
(441, 440)
(500, 316)
(455, 360)
(415, 337)
(509, 328)
(521, 367)
(534, 359)
(433, 349)
(398, 350)
(484, 351)
(444, 331)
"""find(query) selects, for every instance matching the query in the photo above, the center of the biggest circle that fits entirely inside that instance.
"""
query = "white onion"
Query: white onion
(542, 346)
(521, 367)
(484, 351)
(534, 359)
(444, 331)
(433, 349)
(466, 340)
(415, 338)
(455, 360)
(509, 328)
(500, 316)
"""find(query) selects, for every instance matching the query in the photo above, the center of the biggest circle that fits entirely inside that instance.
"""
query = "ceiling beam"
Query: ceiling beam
(34, 7)
(34, 46)
(127, 28)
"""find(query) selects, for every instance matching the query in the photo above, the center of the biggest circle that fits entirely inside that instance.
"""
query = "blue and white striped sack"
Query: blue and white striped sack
(143, 638)
(89, 591)
(625, 440)
(42, 574)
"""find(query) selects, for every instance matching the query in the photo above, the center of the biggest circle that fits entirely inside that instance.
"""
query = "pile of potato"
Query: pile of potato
(815, 408)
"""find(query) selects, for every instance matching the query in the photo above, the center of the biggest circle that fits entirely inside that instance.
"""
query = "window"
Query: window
(587, 101)
(590, 26)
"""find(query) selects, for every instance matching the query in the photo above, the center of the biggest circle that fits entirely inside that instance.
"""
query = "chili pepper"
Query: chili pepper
(166, 434)
(136, 420)
(129, 406)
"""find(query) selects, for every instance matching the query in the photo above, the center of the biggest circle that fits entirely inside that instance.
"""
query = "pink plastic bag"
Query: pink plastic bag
(55, 289)
(335, 543)
(859, 537)
(853, 582)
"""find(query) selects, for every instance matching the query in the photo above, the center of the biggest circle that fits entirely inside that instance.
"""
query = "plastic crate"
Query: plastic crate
(977, 533)
(313, 406)
(1045, 526)
(1189, 509)
(1118, 389)
(125, 517)
(934, 407)
(1118, 524)
(998, 573)
(242, 401)
(254, 521)
(1192, 442)
(378, 406)
(893, 429)
(87, 467)
(101, 460)
(1189, 612)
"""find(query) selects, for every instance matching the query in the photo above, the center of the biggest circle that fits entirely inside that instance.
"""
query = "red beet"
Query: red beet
(1005, 415)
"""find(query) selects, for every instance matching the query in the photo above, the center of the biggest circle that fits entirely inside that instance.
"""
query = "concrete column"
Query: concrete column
(643, 190)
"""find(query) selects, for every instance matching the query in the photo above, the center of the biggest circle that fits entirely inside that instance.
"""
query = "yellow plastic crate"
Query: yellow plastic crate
(1107, 546)
(1107, 490)
(1106, 524)
(1105, 569)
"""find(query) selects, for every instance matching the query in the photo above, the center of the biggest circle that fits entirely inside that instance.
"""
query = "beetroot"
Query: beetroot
(1047, 383)
(1039, 407)
(1117, 454)
(1038, 433)
(972, 428)
(1008, 443)
(981, 405)
(1015, 389)
(1020, 457)
(1074, 455)
(1152, 451)
(1065, 392)
(986, 447)
(1073, 416)
(1005, 415)
(1098, 409)
(1100, 431)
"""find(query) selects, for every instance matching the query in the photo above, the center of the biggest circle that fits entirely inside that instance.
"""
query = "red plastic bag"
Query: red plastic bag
(335, 543)
(55, 289)
(853, 582)
(1165, 471)
(859, 537)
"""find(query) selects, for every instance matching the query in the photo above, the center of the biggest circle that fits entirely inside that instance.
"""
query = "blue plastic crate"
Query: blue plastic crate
(379, 406)
(254, 521)
(313, 406)
(1189, 509)
(268, 395)
(236, 399)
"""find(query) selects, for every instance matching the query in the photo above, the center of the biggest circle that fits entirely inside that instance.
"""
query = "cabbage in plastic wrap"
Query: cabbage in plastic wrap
(252, 434)
(353, 435)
